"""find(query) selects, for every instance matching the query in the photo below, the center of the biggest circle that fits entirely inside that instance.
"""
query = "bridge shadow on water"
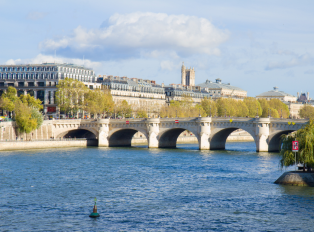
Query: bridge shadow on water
(230, 146)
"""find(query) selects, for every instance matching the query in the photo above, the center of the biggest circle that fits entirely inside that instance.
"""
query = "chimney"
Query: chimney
(298, 96)
(162, 85)
(308, 96)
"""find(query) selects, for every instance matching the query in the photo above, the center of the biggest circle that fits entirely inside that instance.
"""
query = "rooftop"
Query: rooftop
(274, 93)
(218, 85)
(47, 64)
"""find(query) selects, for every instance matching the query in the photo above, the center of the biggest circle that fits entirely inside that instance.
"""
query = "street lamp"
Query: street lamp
(210, 111)
(281, 113)
(268, 113)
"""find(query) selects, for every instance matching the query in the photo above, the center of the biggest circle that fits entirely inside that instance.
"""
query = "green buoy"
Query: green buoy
(94, 214)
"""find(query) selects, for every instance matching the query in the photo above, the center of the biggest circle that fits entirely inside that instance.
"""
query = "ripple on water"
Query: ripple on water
(156, 190)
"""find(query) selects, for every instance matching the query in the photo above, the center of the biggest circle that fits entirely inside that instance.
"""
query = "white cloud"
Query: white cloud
(40, 58)
(142, 33)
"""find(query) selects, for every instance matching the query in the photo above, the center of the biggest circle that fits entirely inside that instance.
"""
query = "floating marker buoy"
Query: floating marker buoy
(94, 213)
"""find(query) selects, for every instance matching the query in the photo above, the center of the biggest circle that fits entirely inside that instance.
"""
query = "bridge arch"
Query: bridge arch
(219, 137)
(78, 133)
(168, 138)
(123, 137)
(274, 140)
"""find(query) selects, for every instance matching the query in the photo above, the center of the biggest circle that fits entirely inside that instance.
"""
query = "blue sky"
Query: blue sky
(254, 45)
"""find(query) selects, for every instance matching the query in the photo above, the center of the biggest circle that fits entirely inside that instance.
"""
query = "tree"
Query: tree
(31, 101)
(98, 102)
(253, 106)
(141, 114)
(70, 95)
(307, 111)
(23, 117)
(242, 109)
(209, 106)
(265, 107)
(305, 136)
(226, 107)
(282, 108)
(8, 99)
(183, 108)
(124, 109)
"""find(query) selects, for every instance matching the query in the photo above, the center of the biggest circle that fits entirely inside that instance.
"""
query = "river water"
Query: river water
(140, 189)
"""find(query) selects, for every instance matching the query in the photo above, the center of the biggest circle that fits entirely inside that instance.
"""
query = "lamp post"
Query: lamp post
(281, 113)
(257, 112)
(268, 113)
(210, 111)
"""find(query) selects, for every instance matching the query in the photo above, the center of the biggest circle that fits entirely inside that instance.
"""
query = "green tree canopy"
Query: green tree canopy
(123, 109)
(141, 114)
(305, 136)
(280, 107)
(31, 101)
(183, 108)
(23, 117)
(70, 95)
(253, 106)
(209, 106)
(307, 112)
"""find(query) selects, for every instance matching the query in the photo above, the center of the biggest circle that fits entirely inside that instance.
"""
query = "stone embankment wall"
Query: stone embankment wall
(8, 132)
(24, 145)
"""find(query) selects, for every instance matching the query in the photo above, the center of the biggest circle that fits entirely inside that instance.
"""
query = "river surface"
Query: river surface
(140, 189)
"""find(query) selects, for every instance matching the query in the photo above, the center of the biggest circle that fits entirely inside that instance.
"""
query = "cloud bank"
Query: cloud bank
(141, 34)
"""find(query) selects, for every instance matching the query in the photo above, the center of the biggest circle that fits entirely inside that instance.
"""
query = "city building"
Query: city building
(208, 89)
(218, 89)
(140, 94)
(187, 76)
(40, 80)
(176, 92)
(276, 94)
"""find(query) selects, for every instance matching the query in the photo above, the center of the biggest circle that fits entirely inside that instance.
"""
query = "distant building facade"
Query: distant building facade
(276, 94)
(40, 80)
(208, 89)
(141, 94)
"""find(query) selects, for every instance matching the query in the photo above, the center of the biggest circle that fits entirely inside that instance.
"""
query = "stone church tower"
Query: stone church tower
(187, 76)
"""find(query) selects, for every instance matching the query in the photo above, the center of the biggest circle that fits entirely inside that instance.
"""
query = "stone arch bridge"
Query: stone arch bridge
(211, 133)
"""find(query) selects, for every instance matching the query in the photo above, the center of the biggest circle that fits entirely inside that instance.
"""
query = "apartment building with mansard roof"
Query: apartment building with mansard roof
(40, 80)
